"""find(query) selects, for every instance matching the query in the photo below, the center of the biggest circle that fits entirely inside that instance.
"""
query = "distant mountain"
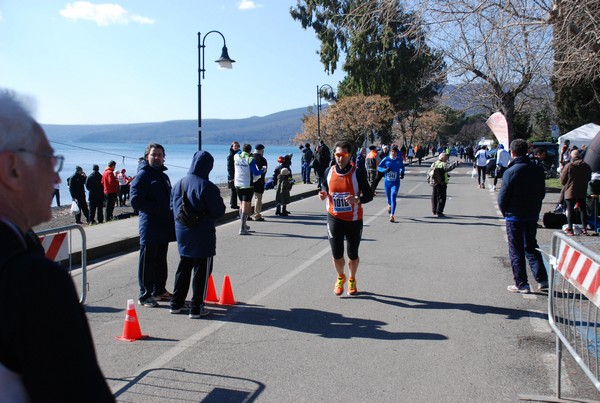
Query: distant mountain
(275, 129)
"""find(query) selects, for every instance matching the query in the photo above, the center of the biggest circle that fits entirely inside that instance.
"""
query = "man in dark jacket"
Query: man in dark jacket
(233, 199)
(259, 181)
(76, 184)
(93, 183)
(306, 161)
(520, 201)
(197, 244)
(46, 347)
(575, 177)
(151, 196)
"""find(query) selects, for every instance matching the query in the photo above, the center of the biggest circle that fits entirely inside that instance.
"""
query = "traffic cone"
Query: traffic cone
(211, 292)
(131, 327)
(226, 293)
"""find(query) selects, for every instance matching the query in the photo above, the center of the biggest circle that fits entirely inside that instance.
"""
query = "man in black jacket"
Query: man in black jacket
(46, 347)
(520, 201)
(233, 199)
(93, 183)
(76, 184)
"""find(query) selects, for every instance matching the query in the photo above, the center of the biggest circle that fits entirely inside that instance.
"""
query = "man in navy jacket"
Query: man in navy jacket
(151, 196)
(520, 201)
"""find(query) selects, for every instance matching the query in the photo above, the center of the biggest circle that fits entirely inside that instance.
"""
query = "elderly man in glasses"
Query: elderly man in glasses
(346, 189)
(46, 348)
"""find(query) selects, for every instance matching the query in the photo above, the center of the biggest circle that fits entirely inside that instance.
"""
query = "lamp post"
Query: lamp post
(319, 108)
(225, 62)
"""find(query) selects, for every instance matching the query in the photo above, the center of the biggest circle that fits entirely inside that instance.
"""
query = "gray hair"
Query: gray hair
(18, 129)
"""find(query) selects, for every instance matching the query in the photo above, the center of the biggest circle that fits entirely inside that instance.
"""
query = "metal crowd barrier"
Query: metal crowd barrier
(61, 237)
(573, 307)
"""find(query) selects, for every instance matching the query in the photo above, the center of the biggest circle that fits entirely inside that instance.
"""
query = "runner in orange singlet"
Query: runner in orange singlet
(345, 188)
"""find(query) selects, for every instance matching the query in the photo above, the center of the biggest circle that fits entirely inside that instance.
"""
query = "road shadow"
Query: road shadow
(321, 323)
(175, 384)
(414, 303)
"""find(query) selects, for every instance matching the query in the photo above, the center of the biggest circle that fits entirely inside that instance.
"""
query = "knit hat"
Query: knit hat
(259, 147)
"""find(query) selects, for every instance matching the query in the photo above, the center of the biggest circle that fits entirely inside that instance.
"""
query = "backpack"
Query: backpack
(436, 176)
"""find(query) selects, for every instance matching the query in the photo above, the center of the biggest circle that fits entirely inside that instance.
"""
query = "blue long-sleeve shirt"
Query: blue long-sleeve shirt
(393, 168)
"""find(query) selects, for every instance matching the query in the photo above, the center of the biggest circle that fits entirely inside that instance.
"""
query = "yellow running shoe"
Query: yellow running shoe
(352, 286)
(339, 285)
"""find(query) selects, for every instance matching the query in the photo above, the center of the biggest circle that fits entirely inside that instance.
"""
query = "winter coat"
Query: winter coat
(205, 198)
(523, 189)
(151, 196)
(284, 186)
(575, 177)
(259, 181)
(109, 181)
(77, 186)
(93, 183)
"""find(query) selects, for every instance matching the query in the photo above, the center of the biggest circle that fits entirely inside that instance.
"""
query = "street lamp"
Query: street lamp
(225, 62)
(332, 100)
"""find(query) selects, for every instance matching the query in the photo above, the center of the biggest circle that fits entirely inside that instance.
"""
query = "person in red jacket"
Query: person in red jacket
(111, 187)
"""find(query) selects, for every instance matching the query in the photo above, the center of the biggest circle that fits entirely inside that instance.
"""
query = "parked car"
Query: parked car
(551, 162)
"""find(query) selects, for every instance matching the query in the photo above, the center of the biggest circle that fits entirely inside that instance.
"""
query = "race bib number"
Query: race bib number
(339, 204)
(392, 176)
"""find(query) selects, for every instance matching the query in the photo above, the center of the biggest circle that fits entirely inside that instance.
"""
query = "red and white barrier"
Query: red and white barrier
(581, 271)
(55, 246)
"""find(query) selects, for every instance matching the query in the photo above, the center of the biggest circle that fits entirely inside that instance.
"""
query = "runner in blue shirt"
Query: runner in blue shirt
(393, 169)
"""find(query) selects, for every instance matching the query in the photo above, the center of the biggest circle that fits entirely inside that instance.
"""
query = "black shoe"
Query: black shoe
(235, 207)
(285, 213)
(441, 215)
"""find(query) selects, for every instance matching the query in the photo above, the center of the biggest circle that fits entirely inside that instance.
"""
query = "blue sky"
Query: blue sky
(132, 61)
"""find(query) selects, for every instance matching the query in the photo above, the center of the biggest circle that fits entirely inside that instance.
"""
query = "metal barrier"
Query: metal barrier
(573, 307)
(61, 240)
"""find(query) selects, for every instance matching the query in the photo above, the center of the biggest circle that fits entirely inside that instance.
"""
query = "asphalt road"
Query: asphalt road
(432, 321)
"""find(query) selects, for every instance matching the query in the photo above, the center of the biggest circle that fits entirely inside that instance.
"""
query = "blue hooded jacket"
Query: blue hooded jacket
(204, 197)
(150, 194)
(523, 190)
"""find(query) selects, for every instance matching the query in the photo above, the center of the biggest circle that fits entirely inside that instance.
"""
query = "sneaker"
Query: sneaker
(259, 218)
(339, 285)
(524, 289)
(197, 313)
(494, 188)
(150, 303)
(352, 286)
(244, 232)
(543, 286)
(441, 215)
(569, 232)
(174, 310)
(392, 219)
(166, 296)
(247, 227)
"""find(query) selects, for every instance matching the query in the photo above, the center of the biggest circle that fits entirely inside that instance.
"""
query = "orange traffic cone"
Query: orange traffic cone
(131, 327)
(226, 293)
(211, 292)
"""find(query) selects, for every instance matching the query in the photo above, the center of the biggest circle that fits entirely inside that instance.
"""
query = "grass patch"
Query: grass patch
(553, 185)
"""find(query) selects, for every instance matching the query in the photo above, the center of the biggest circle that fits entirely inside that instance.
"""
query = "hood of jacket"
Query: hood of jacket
(202, 164)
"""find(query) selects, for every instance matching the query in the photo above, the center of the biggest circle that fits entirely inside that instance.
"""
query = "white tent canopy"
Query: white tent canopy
(583, 135)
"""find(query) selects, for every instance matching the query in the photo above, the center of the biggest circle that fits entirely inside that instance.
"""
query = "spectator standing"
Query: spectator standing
(565, 153)
(282, 197)
(345, 188)
(323, 162)
(480, 164)
(392, 167)
(361, 162)
(111, 187)
(56, 193)
(306, 160)
(196, 244)
(233, 198)
(245, 168)
(259, 182)
(151, 196)
(371, 163)
(502, 161)
(123, 187)
(520, 201)
(575, 177)
(93, 183)
(76, 184)
(410, 154)
(47, 352)
(438, 178)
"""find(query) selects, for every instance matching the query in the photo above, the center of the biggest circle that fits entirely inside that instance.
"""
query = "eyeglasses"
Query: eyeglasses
(57, 160)
(342, 155)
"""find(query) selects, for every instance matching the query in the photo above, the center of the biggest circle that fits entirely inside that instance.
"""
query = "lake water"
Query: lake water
(178, 159)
